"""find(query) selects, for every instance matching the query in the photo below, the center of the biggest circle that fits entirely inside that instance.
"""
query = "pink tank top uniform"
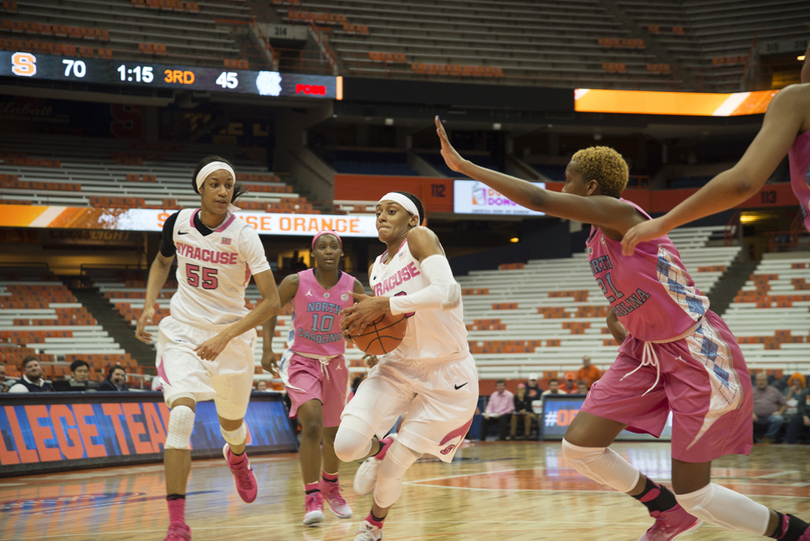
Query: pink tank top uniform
(679, 357)
(314, 368)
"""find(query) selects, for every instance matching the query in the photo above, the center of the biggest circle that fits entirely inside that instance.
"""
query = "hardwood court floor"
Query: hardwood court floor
(493, 491)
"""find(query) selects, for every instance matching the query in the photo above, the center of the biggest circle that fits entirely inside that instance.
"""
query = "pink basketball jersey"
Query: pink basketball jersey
(316, 314)
(799, 157)
(650, 291)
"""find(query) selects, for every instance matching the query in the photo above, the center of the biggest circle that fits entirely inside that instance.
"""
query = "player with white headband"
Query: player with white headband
(205, 347)
(430, 378)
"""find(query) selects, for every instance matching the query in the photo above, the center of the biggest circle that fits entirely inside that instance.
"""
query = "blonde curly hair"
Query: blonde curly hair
(605, 166)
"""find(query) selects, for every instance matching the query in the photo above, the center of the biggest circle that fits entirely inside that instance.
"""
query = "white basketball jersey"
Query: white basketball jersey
(213, 271)
(431, 334)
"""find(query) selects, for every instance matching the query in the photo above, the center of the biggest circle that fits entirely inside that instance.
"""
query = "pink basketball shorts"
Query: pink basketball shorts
(308, 380)
(703, 380)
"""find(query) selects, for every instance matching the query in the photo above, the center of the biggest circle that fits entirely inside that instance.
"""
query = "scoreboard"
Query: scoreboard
(25, 65)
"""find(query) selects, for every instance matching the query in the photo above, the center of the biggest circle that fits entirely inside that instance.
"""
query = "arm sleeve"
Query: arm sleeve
(167, 247)
(251, 248)
(443, 293)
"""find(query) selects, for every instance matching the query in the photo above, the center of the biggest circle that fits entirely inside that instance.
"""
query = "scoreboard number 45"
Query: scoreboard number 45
(228, 79)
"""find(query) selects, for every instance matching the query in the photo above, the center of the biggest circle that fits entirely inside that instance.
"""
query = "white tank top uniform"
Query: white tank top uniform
(213, 271)
(430, 377)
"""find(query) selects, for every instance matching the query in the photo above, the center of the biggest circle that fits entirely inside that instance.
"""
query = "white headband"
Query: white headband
(210, 168)
(404, 201)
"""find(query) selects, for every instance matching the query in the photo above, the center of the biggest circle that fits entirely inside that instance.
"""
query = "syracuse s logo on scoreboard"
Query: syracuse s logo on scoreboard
(24, 64)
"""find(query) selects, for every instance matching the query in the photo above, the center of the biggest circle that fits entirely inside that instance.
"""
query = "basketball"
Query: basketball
(383, 335)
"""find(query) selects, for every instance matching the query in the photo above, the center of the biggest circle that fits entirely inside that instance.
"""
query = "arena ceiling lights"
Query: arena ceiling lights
(637, 102)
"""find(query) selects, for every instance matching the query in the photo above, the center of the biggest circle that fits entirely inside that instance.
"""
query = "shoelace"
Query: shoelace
(333, 493)
(243, 474)
(650, 358)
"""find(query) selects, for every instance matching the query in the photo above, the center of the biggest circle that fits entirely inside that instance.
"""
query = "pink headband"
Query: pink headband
(326, 232)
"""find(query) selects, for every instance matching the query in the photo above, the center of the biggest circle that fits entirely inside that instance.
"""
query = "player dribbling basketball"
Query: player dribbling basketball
(431, 376)
(314, 370)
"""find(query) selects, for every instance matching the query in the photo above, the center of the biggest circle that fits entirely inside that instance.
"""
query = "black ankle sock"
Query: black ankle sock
(796, 527)
(375, 517)
(172, 497)
(313, 491)
(656, 497)
(382, 446)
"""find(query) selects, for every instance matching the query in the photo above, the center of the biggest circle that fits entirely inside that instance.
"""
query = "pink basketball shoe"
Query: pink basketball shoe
(243, 478)
(331, 493)
(671, 524)
(314, 509)
(178, 531)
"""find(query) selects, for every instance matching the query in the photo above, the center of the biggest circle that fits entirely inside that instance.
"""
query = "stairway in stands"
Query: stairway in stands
(730, 283)
(111, 321)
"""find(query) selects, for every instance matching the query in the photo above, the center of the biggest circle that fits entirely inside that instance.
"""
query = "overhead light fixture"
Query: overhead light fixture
(389, 121)
(496, 126)
(514, 239)
(800, 58)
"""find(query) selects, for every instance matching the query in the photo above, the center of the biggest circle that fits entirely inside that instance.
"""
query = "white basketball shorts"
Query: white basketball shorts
(227, 380)
(437, 399)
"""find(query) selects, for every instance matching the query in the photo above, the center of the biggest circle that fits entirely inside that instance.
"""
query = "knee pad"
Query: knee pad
(389, 475)
(351, 444)
(726, 508)
(181, 424)
(602, 465)
(235, 437)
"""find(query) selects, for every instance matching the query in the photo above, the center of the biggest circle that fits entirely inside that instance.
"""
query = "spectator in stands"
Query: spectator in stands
(795, 387)
(32, 380)
(77, 380)
(5, 382)
(115, 381)
(523, 410)
(570, 383)
(533, 390)
(499, 409)
(582, 388)
(553, 388)
(769, 405)
(588, 373)
(799, 426)
(261, 386)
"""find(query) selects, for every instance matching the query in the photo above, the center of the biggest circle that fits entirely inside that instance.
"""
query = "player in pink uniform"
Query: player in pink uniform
(205, 347)
(785, 130)
(314, 371)
(676, 355)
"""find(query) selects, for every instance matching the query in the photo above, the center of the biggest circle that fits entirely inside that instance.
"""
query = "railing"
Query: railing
(324, 45)
(254, 25)
(303, 61)
(732, 229)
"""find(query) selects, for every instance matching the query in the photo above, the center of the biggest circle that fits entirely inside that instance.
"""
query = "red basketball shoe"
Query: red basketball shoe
(243, 478)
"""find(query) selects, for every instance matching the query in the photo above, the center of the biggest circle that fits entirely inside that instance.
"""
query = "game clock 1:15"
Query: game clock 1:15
(138, 74)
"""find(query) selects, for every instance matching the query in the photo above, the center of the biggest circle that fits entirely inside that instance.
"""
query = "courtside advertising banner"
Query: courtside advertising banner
(473, 197)
(152, 220)
(60, 431)
(559, 410)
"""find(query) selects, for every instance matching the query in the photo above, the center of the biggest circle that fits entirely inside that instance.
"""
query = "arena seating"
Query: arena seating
(711, 39)
(372, 162)
(192, 33)
(543, 316)
(104, 172)
(519, 42)
(771, 314)
(40, 316)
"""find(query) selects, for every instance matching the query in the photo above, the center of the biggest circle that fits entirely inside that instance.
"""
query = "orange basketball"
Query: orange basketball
(382, 336)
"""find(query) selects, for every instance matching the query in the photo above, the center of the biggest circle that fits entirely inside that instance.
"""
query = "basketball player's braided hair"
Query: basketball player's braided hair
(418, 204)
(239, 189)
(605, 166)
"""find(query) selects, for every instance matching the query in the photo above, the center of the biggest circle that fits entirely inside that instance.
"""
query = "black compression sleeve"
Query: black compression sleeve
(167, 247)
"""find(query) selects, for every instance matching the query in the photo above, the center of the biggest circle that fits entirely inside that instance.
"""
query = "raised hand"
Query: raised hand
(452, 158)
(648, 230)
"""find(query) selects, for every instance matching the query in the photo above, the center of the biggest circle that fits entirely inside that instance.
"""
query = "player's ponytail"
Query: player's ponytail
(418, 203)
(238, 188)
